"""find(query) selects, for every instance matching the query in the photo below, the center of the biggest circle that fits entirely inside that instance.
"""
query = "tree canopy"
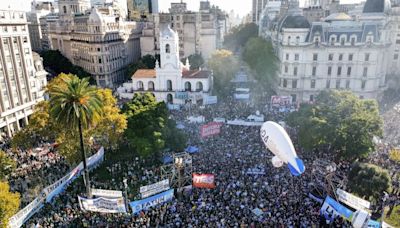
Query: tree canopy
(224, 66)
(339, 120)
(258, 53)
(195, 60)
(7, 166)
(9, 203)
(368, 180)
(58, 63)
(239, 36)
(151, 117)
(146, 62)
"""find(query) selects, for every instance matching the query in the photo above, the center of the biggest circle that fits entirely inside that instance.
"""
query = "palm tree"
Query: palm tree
(73, 102)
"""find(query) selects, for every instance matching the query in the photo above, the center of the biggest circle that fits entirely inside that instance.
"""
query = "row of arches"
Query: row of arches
(188, 86)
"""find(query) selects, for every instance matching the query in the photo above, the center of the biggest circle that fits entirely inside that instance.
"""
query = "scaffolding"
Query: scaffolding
(179, 173)
(325, 178)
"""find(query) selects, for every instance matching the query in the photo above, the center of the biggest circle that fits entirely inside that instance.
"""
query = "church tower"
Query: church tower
(70, 7)
(169, 49)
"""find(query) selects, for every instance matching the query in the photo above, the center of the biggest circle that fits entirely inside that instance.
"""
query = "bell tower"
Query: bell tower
(169, 48)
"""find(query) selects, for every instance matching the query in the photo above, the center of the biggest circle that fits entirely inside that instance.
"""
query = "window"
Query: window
(4, 28)
(338, 84)
(311, 98)
(188, 86)
(287, 56)
(350, 57)
(312, 84)
(340, 57)
(14, 28)
(397, 41)
(169, 85)
(363, 84)
(366, 58)
(294, 84)
(348, 71)
(199, 86)
(140, 85)
(99, 60)
(315, 57)
(365, 71)
(98, 49)
(329, 70)
(342, 41)
(286, 69)
(296, 57)
(25, 39)
(396, 56)
(328, 84)
(295, 71)
(330, 57)
(339, 71)
(347, 84)
(333, 39)
(167, 48)
(284, 83)
(314, 71)
(353, 41)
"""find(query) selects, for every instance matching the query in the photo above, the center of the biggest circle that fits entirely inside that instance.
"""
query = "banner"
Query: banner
(243, 123)
(213, 128)
(155, 188)
(352, 200)
(103, 205)
(48, 193)
(151, 201)
(106, 193)
(207, 100)
(241, 96)
(277, 101)
(173, 106)
(181, 95)
(203, 180)
(331, 209)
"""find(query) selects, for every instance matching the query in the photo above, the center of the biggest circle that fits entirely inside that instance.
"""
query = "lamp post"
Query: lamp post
(126, 194)
(385, 197)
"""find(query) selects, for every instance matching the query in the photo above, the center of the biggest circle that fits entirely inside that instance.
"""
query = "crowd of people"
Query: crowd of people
(271, 199)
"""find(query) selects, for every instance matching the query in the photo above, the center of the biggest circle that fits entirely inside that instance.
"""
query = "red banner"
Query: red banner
(213, 128)
(203, 180)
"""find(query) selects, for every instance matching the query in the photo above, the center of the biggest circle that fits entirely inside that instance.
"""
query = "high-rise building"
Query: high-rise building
(97, 39)
(257, 9)
(22, 77)
(141, 10)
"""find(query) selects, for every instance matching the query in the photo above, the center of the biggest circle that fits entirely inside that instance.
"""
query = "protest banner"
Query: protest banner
(352, 200)
(106, 193)
(104, 205)
(210, 129)
(155, 188)
(203, 180)
(144, 204)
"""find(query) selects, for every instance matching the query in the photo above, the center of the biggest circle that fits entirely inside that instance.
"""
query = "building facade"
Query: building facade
(39, 10)
(141, 10)
(171, 81)
(97, 39)
(199, 32)
(336, 53)
(22, 77)
(257, 9)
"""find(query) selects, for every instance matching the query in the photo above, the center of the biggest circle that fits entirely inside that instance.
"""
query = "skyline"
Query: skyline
(242, 7)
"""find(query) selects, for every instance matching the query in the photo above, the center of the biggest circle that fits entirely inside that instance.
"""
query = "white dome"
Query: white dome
(95, 16)
(166, 31)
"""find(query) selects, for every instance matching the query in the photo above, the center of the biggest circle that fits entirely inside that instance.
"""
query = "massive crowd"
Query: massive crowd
(281, 198)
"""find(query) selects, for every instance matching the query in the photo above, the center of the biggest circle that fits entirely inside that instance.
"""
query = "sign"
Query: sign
(243, 123)
(207, 100)
(213, 128)
(51, 191)
(196, 119)
(203, 180)
(151, 201)
(181, 95)
(277, 101)
(331, 209)
(173, 106)
(155, 188)
(106, 193)
(255, 171)
(352, 200)
(103, 205)
(241, 96)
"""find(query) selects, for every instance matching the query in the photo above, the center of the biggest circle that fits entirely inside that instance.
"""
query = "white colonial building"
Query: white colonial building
(171, 80)
(337, 53)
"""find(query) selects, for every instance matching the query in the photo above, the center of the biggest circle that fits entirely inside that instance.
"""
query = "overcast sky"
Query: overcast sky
(241, 7)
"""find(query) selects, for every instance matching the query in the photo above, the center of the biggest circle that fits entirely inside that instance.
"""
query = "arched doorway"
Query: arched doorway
(170, 99)
(139, 85)
(150, 86)
(188, 86)
(199, 86)
(169, 85)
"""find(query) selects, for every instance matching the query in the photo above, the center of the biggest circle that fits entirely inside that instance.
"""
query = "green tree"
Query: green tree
(224, 66)
(9, 204)
(369, 181)
(195, 60)
(340, 120)
(7, 166)
(175, 139)
(239, 36)
(76, 104)
(146, 62)
(58, 63)
(259, 55)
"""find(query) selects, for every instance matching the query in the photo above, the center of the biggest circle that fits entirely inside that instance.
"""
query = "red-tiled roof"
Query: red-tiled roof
(145, 73)
(196, 74)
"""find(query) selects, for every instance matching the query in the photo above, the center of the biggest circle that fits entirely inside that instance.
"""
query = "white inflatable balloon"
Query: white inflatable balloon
(276, 162)
(278, 142)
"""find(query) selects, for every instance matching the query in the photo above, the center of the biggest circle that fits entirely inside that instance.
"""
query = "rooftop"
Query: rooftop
(145, 73)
